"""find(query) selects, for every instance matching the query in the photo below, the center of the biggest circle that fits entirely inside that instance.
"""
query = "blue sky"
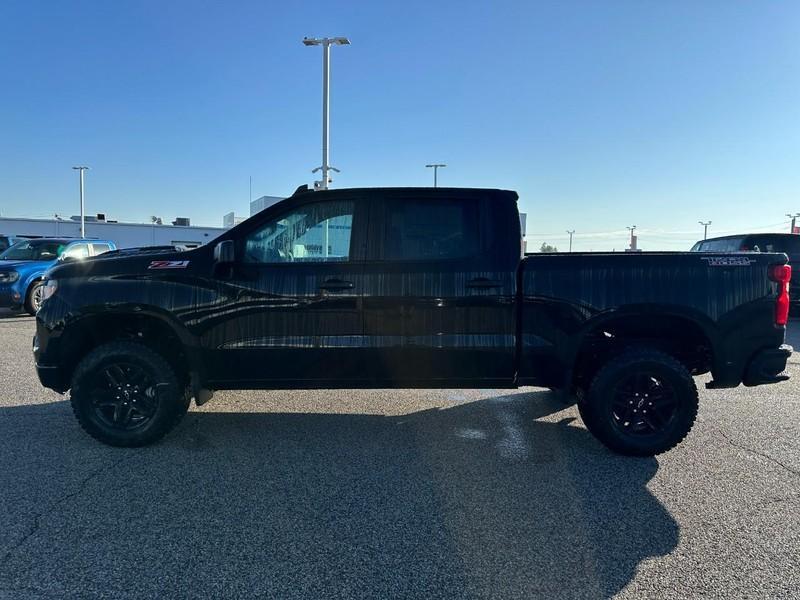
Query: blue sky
(601, 114)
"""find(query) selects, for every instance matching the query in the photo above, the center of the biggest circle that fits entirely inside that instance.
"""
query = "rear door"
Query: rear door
(438, 311)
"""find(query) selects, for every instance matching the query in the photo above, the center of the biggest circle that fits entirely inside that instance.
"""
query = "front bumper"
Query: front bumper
(767, 366)
(9, 297)
(50, 377)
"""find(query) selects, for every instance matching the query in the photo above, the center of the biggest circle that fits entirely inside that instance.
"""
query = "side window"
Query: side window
(431, 229)
(98, 249)
(317, 232)
(77, 251)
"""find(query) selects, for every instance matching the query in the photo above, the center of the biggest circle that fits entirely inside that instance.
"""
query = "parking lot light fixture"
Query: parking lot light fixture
(705, 225)
(632, 228)
(83, 217)
(793, 217)
(326, 96)
(435, 168)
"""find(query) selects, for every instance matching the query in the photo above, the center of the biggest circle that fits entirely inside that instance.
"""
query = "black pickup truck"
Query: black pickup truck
(407, 288)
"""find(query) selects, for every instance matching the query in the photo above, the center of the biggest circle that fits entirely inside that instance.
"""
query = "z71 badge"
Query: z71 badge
(728, 261)
(168, 264)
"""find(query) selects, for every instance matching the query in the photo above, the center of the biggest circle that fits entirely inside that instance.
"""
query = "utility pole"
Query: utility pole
(326, 97)
(793, 217)
(705, 225)
(570, 232)
(435, 168)
(83, 217)
(632, 228)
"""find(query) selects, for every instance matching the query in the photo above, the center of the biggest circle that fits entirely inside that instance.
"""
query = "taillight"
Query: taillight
(781, 274)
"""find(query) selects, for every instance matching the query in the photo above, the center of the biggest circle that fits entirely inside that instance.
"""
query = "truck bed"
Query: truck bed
(721, 297)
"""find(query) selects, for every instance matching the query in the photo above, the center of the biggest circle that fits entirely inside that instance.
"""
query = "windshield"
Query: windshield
(33, 250)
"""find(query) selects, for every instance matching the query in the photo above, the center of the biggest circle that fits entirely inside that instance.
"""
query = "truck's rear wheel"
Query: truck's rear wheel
(642, 403)
(125, 394)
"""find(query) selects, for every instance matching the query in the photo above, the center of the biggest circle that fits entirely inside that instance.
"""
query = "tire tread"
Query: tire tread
(175, 416)
(626, 360)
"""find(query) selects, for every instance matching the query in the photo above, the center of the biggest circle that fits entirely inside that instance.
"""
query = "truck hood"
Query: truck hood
(8, 265)
(130, 261)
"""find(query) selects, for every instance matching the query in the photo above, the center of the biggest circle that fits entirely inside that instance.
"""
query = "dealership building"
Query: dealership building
(125, 235)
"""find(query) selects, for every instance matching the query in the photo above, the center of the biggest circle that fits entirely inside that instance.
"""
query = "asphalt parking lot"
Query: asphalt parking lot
(354, 494)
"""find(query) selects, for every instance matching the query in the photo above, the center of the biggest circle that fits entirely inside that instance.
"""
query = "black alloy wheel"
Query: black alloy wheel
(123, 396)
(643, 404)
(125, 393)
(640, 403)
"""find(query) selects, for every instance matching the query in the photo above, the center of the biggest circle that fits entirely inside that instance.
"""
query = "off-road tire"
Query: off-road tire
(598, 412)
(35, 288)
(171, 397)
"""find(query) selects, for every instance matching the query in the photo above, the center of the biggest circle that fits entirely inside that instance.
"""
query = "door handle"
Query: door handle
(336, 285)
(483, 283)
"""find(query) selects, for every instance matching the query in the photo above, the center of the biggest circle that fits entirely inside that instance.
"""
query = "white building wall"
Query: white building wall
(124, 235)
(259, 204)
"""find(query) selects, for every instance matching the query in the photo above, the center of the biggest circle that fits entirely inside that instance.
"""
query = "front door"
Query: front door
(294, 315)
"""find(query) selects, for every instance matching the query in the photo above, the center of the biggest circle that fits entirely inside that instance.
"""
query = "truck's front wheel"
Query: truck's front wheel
(642, 403)
(125, 394)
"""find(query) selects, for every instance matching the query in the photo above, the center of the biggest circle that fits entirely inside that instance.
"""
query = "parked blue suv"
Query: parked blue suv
(23, 265)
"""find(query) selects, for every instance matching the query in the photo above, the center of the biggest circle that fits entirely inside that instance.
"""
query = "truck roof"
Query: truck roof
(741, 235)
(420, 192)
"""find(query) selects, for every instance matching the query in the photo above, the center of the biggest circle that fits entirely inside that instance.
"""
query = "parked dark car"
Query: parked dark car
(787, 243)
(408, 288)
(24, 264)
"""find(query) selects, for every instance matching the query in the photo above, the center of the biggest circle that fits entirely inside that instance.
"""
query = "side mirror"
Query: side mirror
(225, 253)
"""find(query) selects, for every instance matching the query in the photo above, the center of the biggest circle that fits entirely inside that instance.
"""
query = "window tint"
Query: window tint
(77, 251)
(431, 229)
(773, 243)
(100, 248)
(721, 245)
(312, 233)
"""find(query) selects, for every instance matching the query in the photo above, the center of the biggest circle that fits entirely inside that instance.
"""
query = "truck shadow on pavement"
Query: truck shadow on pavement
(495, 498)
(15, 315)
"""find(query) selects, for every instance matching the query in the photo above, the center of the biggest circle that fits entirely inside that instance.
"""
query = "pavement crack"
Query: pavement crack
(35, 524)
(772, 459)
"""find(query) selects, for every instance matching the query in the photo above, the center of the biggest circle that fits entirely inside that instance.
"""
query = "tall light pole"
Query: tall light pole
(705, 225)
(632, 228)
(435, 168)
(793, 217)
(326, 96)
(571, 232)
(83, 218)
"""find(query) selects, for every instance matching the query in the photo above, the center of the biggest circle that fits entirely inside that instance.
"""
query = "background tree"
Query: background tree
(547, 248)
